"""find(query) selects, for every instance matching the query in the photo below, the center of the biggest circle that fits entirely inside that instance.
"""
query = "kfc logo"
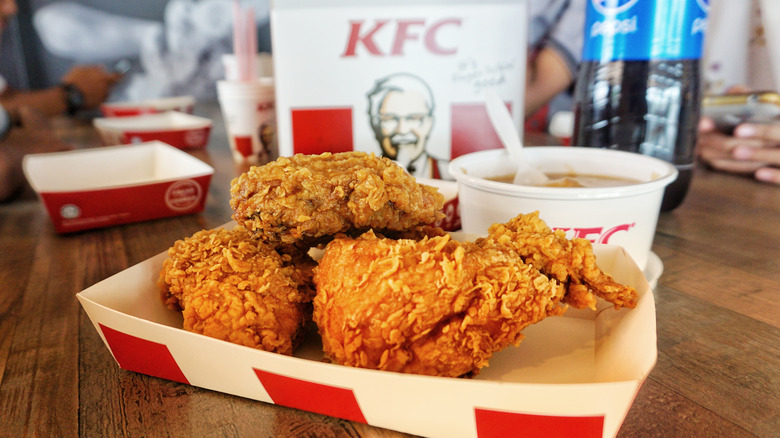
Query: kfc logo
(183, 195)
(364, 34)
(400, 110)
(594, 234)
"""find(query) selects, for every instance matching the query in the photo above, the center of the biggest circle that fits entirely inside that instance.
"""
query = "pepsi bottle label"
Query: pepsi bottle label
(633, 30)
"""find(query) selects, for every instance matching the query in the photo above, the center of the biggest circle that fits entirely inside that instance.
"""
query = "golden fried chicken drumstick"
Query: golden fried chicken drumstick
(303, 198)
(231, 287)
(436, 306)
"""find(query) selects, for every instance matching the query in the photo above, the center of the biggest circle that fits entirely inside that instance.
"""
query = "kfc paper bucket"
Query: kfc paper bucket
(400, 79)
(625, 214)
(93, 188)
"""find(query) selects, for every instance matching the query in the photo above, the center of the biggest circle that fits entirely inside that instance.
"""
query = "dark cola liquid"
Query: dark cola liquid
(648, 107)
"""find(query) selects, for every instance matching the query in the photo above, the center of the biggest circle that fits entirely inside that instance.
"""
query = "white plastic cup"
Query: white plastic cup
(625, 215)
(249, 111)
(264, 66)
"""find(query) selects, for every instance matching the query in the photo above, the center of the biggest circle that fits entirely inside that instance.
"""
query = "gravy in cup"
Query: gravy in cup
(576, 180)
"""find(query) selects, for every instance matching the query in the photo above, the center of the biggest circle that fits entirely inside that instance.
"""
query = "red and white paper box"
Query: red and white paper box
(181, 130)
(95, 188)
(574, 375)
(400, 79)
(185, 104)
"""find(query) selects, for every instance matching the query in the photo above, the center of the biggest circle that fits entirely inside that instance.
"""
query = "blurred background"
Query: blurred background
(48, 37)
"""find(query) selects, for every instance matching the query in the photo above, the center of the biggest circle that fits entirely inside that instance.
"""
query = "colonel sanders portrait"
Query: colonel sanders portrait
(400, 108)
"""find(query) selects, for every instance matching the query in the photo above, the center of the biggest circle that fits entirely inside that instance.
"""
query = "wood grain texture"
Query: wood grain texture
(718, 323)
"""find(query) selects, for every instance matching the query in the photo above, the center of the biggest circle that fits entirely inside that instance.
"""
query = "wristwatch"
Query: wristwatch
(5, 122)
(74, 98)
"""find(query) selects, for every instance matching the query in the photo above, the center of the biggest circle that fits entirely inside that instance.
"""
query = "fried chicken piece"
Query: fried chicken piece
(434, 306)
(441, 307)
(231, 287)
(568, 261)
(305, 199)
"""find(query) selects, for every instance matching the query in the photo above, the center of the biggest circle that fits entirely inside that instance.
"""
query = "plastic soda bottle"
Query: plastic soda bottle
(638, 86)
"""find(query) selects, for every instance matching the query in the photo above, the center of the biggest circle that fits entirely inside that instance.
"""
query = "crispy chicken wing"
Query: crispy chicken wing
(231, 287)
(568, 261)
(305, 199)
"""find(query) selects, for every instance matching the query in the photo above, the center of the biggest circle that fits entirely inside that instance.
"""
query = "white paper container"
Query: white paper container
(177, 129)
(624, 216)
(574, 375)
(183, 104)
(93, 188)
(446, 52)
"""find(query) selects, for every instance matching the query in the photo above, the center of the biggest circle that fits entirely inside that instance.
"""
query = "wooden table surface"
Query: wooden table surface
(717, 303)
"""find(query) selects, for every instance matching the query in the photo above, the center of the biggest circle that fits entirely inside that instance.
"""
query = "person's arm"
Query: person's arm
(558, 50)
(547, 75)
(90, 86)
(50, 102)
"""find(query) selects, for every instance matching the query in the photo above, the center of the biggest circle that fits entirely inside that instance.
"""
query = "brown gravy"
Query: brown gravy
(576, 180)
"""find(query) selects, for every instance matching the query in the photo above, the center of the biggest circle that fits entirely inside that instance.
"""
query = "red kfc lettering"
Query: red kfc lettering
(430, 37)
(367, 39)
(405, 31)
(582, 233)
(607, 234)
(402, 35)
(264, 106)
(601, 236)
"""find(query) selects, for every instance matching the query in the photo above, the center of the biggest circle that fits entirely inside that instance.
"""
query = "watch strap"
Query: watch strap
(5, 122)
(74, 98)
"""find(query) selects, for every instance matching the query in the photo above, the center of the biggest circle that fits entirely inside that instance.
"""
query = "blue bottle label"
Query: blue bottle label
(634, 30)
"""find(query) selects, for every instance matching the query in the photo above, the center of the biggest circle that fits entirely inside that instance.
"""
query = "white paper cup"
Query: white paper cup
(625, 215)
(249, 111)
(264, 66)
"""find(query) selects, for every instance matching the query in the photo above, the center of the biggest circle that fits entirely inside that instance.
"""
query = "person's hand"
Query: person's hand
(753, 149)
(95, 83)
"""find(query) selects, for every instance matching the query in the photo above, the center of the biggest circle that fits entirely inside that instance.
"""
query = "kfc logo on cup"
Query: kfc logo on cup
(594, 234)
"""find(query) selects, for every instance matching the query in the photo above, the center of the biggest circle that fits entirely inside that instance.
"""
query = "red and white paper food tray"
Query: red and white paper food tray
(574, 375)
(331, 79)
(93, 188)
(177, 129)
(185, 104)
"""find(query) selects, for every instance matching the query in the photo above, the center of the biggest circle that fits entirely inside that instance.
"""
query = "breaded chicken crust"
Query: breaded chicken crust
(434, 307)
(231, 287)
(307, 198)
(568, 261)
(442, 307)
